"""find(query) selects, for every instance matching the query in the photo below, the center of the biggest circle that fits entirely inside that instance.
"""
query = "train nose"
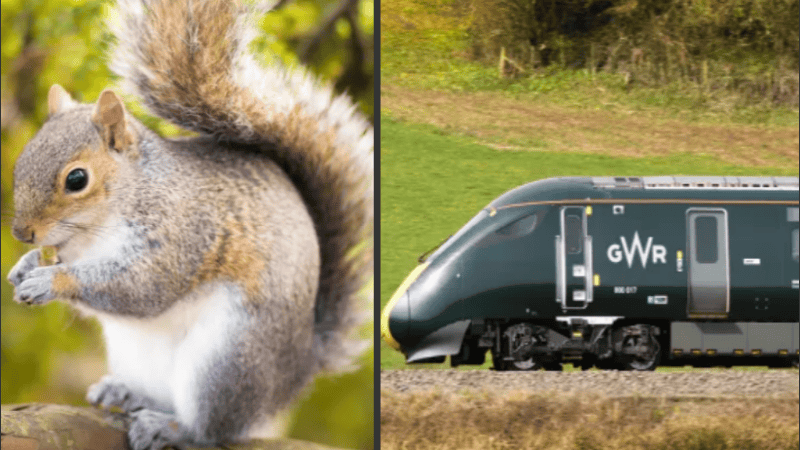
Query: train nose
(394, 325)
(396, 314)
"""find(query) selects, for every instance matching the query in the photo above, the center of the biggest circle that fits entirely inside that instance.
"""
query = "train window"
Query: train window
(706, 239)
(795, 245)
(520, 227)
(574, 232)
(469, 227)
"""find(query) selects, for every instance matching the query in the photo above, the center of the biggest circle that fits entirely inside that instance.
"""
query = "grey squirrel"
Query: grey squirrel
(222, 267)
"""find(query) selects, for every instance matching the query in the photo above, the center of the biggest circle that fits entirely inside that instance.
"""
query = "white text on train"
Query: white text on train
(616, 252)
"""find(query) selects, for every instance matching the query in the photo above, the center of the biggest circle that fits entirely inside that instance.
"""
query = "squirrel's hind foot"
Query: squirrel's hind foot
(150, 427)
(155, 430)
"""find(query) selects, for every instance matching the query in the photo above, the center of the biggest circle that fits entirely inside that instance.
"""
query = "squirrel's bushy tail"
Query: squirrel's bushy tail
(188, 62)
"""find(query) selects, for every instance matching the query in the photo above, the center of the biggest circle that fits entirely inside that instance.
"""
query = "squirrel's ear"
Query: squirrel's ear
(109, 116)
(58, 100)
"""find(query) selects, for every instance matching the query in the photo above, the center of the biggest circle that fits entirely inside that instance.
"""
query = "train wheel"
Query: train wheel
(517, 343)
(640, 337)
(519, 339)
(640, 364)
(501, 364)
(528, 364)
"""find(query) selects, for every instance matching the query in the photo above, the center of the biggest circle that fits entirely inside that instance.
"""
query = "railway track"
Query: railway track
(694, 383)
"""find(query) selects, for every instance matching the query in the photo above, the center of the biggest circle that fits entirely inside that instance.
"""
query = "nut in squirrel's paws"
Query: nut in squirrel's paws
(48, 256)
(36, 286)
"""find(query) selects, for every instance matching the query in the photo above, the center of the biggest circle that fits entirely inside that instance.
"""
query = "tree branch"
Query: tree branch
(40, 426)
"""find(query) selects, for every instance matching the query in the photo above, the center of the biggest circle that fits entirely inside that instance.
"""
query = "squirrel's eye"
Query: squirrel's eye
(77, 179)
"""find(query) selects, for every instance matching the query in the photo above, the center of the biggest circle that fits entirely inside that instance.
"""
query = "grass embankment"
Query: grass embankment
(583, 422)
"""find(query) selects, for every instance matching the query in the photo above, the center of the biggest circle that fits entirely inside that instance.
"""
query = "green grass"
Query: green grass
(432, 69)
(432, 183)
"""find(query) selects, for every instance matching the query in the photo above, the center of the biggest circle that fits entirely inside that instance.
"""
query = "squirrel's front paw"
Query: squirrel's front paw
(109, 392)
(23, 267)
(36, 287)
(154, 430)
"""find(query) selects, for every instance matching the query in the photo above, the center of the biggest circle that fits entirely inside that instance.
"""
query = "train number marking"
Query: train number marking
(616, 252)
(624, 289)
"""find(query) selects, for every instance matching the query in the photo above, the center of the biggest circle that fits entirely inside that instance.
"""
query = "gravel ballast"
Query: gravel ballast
(711, 383)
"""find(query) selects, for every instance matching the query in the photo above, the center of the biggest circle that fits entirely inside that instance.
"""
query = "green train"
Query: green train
(616, 272)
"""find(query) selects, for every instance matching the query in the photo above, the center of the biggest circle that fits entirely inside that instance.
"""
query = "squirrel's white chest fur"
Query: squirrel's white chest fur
(163, 357)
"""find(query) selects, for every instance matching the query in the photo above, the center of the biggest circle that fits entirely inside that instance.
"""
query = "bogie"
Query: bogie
(528, 347)
(534, 346)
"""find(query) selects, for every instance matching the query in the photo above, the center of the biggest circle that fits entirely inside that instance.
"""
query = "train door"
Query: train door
(574, 259)
(793, 217)
(709, 276)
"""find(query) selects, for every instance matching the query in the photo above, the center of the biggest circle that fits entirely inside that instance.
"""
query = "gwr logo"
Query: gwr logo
(615, 254)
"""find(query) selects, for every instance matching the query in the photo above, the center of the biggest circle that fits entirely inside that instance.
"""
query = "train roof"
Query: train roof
(707, 182)
(678, 188)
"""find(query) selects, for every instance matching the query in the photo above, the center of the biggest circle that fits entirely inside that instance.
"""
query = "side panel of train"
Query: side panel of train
(636, 284)
(679, 262)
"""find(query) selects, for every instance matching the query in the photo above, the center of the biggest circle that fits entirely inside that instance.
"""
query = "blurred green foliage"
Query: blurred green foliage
(50, 354)
(745, 47)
